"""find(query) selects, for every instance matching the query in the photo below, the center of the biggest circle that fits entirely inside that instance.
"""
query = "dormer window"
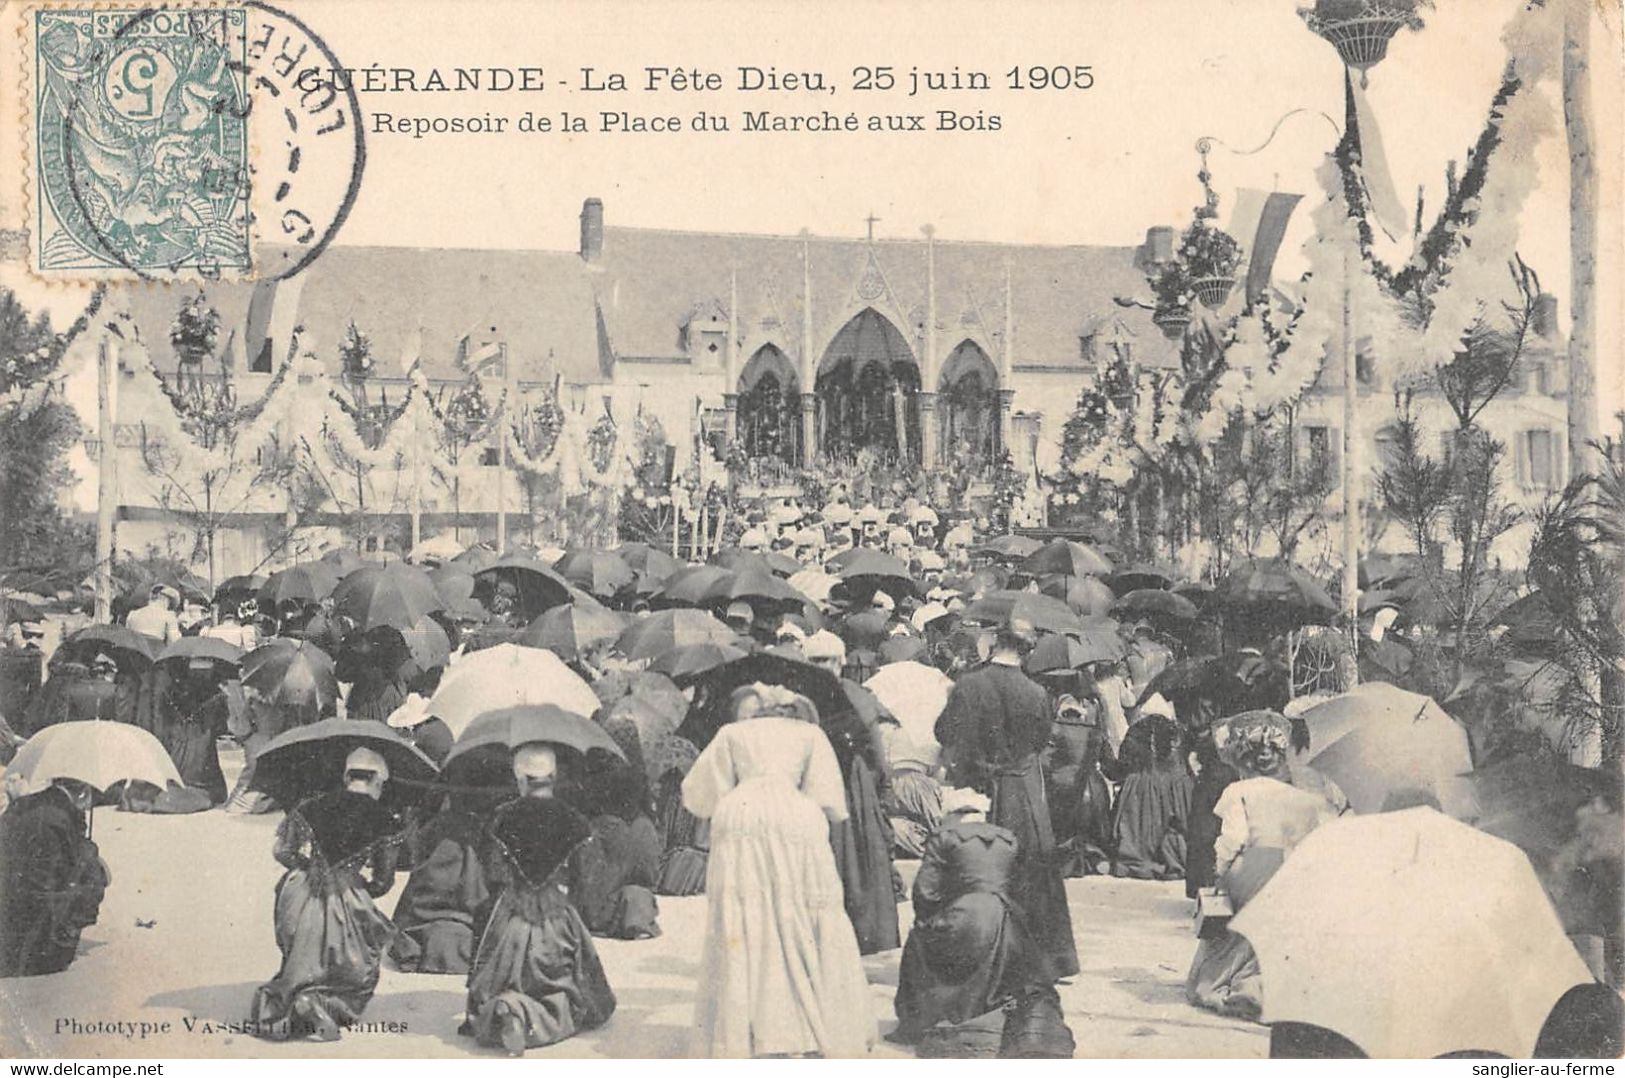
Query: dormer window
(1086, 348)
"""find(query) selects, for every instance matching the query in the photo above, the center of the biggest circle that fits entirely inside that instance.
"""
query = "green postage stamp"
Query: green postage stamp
(140, 143)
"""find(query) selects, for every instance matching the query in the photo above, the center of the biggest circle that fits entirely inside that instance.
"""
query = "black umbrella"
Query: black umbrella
(539, 588)
(690, 586)
(1153, 602)
(709, 711)
(596, 571)
(395, 595)
(1067, 558)
(308, 583)
(1143, 575)
(188, 648)
(247, 584)
(309, 760)
(113, 639)
(292, 674)
(1277, 591)
(510, 727)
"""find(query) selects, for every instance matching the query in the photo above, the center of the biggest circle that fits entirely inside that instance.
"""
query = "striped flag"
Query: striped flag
(273, 312)
(1259, 222)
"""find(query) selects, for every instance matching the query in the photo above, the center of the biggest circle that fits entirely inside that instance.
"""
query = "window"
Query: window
(1387, 442)
(1320, 448)
(490, 456)
(1086, 348)
(1538, 463)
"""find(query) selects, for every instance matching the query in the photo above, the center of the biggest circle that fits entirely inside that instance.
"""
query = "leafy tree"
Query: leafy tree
(37, 428)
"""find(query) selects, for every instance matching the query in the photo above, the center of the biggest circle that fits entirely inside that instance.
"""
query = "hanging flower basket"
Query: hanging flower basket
(1213, 291)
(1360, 30)
(1172, 321)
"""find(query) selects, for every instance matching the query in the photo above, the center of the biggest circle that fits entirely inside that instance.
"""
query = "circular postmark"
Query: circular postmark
(188, 144)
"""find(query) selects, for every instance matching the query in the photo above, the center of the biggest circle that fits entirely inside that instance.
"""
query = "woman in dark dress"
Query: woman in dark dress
(1154, 801)
(685, 839)
(340, 852)
(1080, 802)
(969, 952)
(620, 868)
(52, 879)
(441, 911)
(536, 979)
(862, 841)
(185, 706)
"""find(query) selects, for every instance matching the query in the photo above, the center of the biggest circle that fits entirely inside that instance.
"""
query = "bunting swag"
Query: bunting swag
(1460, 262)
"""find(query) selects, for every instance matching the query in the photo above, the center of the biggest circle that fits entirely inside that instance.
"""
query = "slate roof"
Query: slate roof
(648, 280)
(561, 314)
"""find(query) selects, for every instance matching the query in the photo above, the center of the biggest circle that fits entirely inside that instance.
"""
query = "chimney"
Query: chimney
(1545, 318)
(1159, 244)
(592, 230)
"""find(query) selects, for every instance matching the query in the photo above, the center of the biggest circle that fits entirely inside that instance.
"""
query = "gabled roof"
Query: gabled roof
(648, 280)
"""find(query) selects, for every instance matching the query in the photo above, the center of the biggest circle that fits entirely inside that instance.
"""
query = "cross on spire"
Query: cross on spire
(871, 221)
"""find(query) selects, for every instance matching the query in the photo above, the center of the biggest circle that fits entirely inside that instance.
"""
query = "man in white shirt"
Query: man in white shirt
(157, 619)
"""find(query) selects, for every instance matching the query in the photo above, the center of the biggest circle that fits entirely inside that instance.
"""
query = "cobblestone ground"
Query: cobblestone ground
(185, 937)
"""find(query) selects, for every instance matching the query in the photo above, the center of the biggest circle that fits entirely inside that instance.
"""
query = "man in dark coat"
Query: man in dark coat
(51, 879)
(992, 731)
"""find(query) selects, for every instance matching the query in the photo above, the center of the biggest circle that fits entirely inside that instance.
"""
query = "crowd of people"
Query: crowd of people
(843, 693)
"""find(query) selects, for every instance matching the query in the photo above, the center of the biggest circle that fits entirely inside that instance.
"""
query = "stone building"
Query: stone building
(799, 346)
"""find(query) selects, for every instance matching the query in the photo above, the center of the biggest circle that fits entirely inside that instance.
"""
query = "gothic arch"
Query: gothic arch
(968, 405)
(768, 419)
(868, 385)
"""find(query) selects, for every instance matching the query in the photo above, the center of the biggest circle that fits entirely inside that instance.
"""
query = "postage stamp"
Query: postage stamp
(141, 142)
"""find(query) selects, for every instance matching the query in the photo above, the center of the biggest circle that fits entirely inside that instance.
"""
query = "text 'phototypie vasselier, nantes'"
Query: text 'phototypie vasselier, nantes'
(606, 101)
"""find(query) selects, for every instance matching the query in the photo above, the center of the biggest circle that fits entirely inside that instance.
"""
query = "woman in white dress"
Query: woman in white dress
(781, 974)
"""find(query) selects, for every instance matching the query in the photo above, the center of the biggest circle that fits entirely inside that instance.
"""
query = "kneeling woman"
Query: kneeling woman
(340, 850)
(536, 978)
(970, 953)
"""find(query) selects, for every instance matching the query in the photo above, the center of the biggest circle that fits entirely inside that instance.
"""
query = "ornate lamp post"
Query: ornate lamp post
(1203, 267)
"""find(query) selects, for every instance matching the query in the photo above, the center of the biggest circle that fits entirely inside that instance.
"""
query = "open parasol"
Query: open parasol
(568, 631)
(210, 648)
(689, 586)
(114, 639)
(98, 754)
(1043, 612)
(1413, 936)
(508, 675)
(508, 728)
(310, 582)
(596, 571)
(292, 674)
(1377, 741)
(1067, 558)
(308, 760)
(393, 595)
(1012, 548)
(1277, 591)
(666, 630)
(538, 586)
(1086, 595)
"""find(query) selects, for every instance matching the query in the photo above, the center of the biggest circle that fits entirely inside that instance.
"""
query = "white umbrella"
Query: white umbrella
(1378, 740)
(97, 753)
(507, 676)
(442, 547)
(915, 694)
(1412, 935)
(814, 584)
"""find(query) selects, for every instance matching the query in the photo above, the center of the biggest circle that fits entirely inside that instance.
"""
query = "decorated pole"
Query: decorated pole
(502, 454)
(1350, 591)
(106, 479)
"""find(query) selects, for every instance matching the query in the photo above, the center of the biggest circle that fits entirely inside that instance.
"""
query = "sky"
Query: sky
(1095, 166)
